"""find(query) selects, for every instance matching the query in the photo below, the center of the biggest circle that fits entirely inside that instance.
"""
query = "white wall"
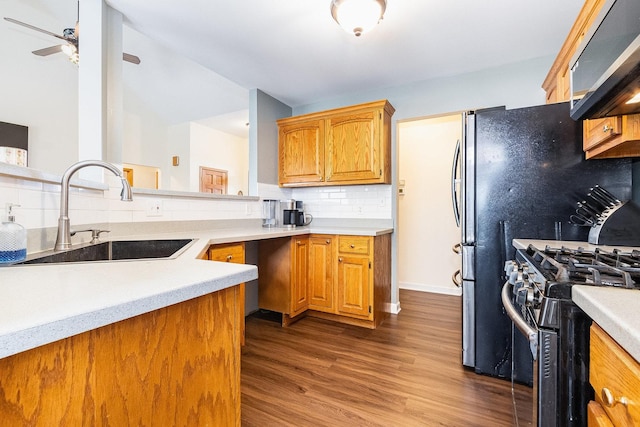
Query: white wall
(177, 178)
(426, 227)
(219, 150)
(39, 92)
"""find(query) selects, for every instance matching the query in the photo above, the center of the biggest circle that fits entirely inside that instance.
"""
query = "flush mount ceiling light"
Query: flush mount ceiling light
(358, 16)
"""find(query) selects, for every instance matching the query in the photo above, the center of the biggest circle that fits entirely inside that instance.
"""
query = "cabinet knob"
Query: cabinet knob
(339, 259)
(328, 241)
(298, 242)
(610, 401)
(229, 257)
(352, 246)
(607, 128)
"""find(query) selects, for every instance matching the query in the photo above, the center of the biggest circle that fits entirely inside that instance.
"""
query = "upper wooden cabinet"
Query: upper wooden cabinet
(301, 152)
(602, 138)
(350, 145)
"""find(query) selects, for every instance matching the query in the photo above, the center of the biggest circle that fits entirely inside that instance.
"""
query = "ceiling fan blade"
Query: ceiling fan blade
(15, 21)
(48, 50)
(130, 58)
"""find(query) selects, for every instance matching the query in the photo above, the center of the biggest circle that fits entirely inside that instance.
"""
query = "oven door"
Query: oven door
(544, 349)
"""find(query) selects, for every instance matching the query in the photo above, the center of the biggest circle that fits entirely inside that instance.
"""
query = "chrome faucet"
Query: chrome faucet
(63, 239)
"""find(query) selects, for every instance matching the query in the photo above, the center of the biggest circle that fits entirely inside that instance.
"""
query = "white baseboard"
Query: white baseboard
(393, 308)
(423, 287)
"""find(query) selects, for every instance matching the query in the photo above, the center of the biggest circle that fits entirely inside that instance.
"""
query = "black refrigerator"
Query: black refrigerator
(517, 174)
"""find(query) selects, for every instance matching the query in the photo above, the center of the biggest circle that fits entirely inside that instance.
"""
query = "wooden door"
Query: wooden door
(353, 147)
(128, 174)
(321, 273)
(300, 255)
(354, 286)
(213, 180)
(301, 152)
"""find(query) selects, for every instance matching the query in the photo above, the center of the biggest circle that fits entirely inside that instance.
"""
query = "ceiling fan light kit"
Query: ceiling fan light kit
(358, 16)
(72, 38)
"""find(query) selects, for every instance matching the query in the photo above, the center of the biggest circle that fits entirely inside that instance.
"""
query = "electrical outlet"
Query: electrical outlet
(154, 208)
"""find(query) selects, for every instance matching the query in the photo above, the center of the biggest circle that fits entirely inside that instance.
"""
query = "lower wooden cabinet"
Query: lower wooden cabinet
(342, 278)
(299, 263)
(321, 272)
(355, 276)
(231, 252)
(615, 377)
(179, 365)
(282, 284)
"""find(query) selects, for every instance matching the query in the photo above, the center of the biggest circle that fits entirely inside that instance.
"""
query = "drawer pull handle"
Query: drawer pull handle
(352, 246)
(229, 257)
(610, 401)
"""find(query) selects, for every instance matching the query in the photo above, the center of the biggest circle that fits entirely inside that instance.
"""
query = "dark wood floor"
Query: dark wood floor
(405, 373)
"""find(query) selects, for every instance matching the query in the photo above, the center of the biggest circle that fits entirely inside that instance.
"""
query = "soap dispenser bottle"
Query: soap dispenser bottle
(13, 239)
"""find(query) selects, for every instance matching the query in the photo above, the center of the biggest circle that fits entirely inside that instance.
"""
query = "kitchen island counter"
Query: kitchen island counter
(40, 304)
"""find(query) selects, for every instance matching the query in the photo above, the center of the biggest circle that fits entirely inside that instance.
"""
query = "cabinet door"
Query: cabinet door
(354, 286)
(353, 147)
(321, 275)
(301, 152)
(300, 255)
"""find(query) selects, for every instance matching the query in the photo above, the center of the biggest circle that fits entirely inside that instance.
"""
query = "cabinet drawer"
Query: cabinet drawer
(596, 416)
(354, 245)
(233, 252)
(598, 131)
(615, 377)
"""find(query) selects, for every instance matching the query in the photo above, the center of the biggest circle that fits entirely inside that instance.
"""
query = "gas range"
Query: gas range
(551, 272)
(537, 298)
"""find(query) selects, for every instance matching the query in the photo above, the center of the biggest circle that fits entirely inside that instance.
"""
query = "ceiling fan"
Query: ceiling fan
(72, 38)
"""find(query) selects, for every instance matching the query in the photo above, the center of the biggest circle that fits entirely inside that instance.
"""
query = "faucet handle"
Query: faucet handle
(95, 234)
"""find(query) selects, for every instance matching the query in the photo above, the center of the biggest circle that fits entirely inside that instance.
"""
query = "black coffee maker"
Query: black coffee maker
(293, 214)
(289, 213)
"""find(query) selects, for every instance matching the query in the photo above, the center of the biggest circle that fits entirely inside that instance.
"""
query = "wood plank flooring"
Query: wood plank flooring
(407, 372)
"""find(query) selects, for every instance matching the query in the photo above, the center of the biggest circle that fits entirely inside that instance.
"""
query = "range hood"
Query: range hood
(605, 71)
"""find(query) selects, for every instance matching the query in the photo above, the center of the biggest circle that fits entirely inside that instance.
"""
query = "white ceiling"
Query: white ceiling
(295, 51)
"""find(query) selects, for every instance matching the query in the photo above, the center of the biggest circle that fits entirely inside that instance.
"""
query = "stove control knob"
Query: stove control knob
(511, 270)
(524, 296)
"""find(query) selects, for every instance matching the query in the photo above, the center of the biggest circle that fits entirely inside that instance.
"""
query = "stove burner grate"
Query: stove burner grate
(598, 267)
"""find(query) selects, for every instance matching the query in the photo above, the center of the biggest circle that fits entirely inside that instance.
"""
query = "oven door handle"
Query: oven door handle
(530, 333)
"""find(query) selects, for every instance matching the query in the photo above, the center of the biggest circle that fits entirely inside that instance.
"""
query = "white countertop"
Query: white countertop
(616, 310)
(40, 304)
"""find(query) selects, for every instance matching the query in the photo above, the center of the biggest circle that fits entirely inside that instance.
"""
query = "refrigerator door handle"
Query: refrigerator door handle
(455, 180)
(456, 278)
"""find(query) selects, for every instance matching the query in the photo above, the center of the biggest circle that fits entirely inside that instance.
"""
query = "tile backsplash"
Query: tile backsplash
(353, 201)
(39, 202)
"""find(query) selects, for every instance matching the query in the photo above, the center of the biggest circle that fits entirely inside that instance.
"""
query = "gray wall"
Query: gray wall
(264, 110)
(515, 85)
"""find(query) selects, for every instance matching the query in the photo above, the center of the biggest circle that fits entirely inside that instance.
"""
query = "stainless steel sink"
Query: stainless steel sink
(114, 251)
